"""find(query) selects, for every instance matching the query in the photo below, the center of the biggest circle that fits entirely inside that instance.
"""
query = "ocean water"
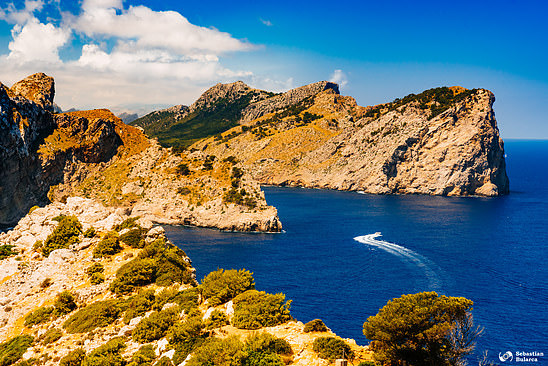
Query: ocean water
(343, 255)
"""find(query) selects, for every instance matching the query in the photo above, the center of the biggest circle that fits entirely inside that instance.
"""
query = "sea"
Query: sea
(343, 255)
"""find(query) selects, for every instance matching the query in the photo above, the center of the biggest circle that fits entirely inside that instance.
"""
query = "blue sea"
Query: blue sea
(490, 250)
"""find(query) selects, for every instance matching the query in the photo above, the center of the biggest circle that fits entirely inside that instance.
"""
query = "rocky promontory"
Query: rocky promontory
(48, 157)
(84, 284)
(443, 141)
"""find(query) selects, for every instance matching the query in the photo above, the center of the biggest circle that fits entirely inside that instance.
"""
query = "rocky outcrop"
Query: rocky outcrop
(444, 141)
(49, 157)
(284, 100)
(30, 280)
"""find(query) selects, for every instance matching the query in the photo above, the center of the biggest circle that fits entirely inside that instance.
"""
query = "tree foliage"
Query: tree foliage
(256, 309)
(65, 234)
(221, 286)
(330, 348)
(417, 329)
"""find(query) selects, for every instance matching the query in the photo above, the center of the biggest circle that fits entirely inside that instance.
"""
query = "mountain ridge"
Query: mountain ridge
(443, 141)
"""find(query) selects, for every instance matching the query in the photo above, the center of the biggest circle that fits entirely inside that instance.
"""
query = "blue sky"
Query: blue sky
(142, 55)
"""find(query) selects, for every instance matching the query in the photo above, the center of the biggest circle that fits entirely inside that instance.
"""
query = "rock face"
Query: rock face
(444, 141)
(49, 157)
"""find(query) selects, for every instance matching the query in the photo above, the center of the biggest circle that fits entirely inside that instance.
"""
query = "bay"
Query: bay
(490, 250)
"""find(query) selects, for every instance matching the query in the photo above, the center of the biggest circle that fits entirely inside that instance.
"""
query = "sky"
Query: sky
(142, 55)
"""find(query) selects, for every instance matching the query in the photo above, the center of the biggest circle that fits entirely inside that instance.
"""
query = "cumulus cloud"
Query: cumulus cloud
(36, 41)
(339, 77)
(128, 56)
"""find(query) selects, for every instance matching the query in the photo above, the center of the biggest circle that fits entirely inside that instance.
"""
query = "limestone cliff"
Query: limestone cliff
(80, 302)
(444, 141)
(49, 157)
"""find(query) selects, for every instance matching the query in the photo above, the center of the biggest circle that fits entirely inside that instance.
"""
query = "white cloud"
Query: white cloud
(266, 22)
(36, 41)
(21, 16)
(130, 59)
(339, 77)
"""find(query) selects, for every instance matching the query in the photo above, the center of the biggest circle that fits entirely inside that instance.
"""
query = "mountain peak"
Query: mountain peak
(39, 87)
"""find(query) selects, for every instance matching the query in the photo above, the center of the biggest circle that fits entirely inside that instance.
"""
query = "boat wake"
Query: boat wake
(407, 255)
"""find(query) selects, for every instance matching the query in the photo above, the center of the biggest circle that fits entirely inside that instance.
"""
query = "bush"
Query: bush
(46, 283)
(187, 299)
(108, 246)
(164, 361)
(315, 325)
(95, 273)
(6, 251)
(256, 309)
(143, 357)
(73, 358)
(65, 234)
(133, 238)
(90, 233)
(418, 329)
(39, 316)
(107, 354)
(183, 169)
(159, 262)
(138, 272)
(51, 335)
(12, 349)
(139, 304)
(127, 224)
(216, 319)
(98, 314)
(267, 343)
(155, 326)
(221, 286)
(64, 303)
(330, 348)
(187, 336)
(219, 352)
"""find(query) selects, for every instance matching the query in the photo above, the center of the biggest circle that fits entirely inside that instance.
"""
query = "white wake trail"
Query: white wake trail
(407, 255)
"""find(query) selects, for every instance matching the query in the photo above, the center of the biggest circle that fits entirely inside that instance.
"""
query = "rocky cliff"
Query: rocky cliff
(83, 283)
(48, 157)
(444, 141)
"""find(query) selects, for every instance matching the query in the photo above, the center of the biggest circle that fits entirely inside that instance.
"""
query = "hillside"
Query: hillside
(443, 141)
(81, 284)
(47, 157)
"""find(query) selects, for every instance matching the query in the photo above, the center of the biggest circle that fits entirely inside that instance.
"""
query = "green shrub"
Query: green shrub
(143, 357)
(108, 246)
(266, 342)
(138, 272)
(262, 359)
(12, 349)
(256, 309)
(41, 315)
(221, 286)
(127, 224)
(51, 335)
(219, 352)
(64, 303)
(165, 296)
(330, 348)
(367, 363)
(73, 358)
(133, 238)
(98, 314)
(47, 282)
(187, 299)
(315, 325)
(216, 319)
(183, 169)
(95, 273)
(239, 197)
(139, 304)
(90, 233)
(187, 336)
(108, 354)
(164, 361)
(155, 326)
(65, 234)
(6, 251)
